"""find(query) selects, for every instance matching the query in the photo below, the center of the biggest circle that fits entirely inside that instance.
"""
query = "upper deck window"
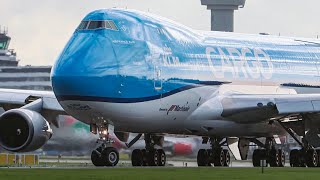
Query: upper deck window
(93, 25)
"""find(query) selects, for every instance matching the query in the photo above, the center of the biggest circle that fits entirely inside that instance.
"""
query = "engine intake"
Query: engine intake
(23, 130)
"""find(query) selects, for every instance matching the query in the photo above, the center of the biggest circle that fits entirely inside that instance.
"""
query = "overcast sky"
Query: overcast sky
(40, 28)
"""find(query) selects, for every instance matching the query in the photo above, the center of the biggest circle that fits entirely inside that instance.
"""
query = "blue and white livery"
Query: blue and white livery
(149, 75)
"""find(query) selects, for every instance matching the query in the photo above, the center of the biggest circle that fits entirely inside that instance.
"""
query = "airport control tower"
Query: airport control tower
(222, 13)
(7, 56)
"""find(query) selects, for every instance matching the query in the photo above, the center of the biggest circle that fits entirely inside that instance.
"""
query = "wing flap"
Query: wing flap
(295, 107)
(253, 107)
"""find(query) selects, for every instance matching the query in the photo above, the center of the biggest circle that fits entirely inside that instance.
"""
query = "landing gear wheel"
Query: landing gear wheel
(137, 157)
(274, 158)
(282, 158)
(218, 157)
(153, 157)
(227, 158)
(318, 152)
(312, 158)
(110, 156)
(96, 157)
(295, 160)
(162, 158)
(144, 157)
(256, 157)
(203, 157)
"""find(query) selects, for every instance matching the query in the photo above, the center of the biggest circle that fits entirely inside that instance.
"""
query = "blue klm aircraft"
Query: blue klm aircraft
(129, 71)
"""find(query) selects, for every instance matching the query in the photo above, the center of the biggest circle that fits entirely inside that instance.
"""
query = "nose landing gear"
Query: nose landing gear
(105, 154)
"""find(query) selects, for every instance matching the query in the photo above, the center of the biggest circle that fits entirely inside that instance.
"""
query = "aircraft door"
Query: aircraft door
(157, 78)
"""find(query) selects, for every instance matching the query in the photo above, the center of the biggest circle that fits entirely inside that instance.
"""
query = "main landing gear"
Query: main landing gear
(307, 156)
(274, 157)
(216, 155)
(150, 156)
(105, 154)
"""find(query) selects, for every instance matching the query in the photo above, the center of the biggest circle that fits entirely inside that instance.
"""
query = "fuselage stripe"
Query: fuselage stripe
(131, 100)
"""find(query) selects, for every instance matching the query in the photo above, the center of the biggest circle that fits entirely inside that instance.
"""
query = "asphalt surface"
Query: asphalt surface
(127, 163)
(85, 162)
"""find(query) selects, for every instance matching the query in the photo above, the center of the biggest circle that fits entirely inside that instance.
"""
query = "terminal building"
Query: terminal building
(13, 76)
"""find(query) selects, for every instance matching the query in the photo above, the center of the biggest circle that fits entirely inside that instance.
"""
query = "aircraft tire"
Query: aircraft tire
(312, 158)
(144, 157)
(227, 158)
(218, 157)
(96, 157)
(318, 152)
(257, 157)
(110, 156)
(282, 158)
(137, 158)
(295, 160)
(203, 158)
(162, 157)
(274, 158)
(153, 157)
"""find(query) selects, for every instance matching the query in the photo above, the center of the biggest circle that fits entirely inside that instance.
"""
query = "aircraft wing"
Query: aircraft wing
(11, 98)
(251, 108)
(44, 102)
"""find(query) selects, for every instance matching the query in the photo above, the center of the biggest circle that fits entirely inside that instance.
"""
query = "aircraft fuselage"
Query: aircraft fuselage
(149, 74)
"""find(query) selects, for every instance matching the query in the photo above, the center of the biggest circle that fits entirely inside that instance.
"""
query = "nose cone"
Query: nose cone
(85, 65)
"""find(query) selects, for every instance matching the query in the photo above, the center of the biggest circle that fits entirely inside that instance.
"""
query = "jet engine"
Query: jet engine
(23, 130)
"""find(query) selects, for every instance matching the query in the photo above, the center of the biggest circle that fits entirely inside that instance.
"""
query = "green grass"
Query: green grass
(160, 173)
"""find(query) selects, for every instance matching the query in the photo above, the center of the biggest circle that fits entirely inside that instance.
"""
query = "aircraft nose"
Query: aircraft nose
(85, 66)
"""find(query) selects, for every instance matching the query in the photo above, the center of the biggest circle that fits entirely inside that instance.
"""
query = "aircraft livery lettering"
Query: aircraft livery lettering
(250, 63)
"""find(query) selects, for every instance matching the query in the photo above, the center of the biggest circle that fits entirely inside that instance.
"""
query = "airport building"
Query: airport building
(13, 76)
(222, 13)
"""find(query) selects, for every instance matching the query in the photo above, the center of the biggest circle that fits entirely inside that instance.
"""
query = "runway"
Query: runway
(127, 163)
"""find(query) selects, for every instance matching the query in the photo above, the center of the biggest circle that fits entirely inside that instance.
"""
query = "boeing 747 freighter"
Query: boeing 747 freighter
(129, 71)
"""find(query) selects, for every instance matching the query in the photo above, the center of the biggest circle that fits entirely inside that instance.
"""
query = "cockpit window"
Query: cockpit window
(93, 25)
(113, 26)
(83, 25)
(96, 25)
(108, 26)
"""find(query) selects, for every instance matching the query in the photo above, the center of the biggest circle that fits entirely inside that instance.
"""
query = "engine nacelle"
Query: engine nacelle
(23, 130)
